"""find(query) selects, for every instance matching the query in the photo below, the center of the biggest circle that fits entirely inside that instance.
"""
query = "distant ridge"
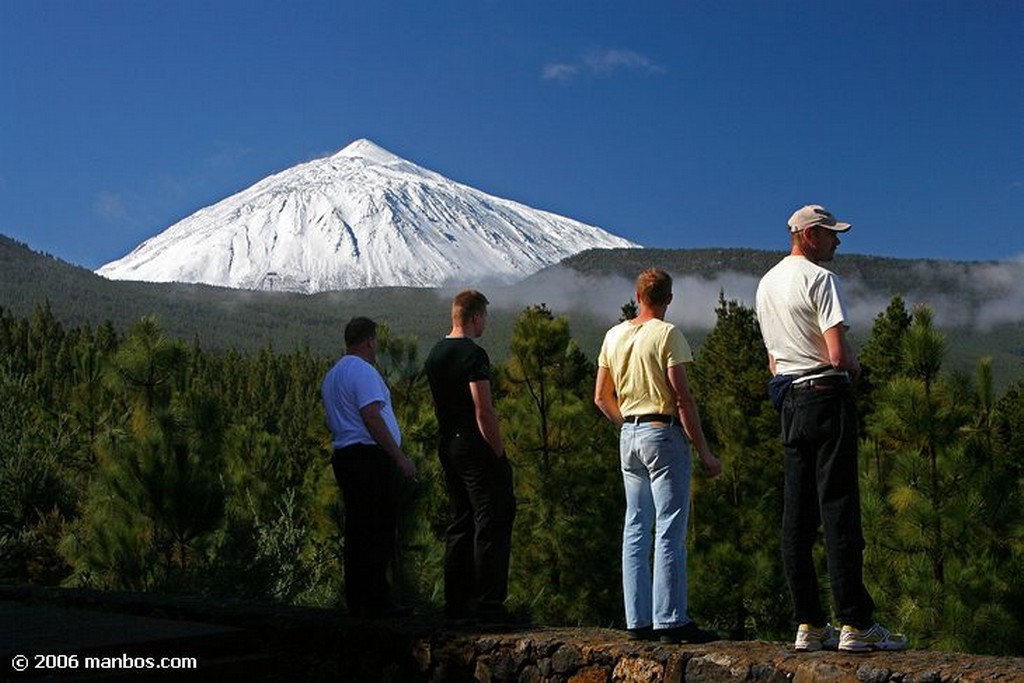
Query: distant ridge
(881, 274)
(363, 217)
(222, 318)
(713, 259)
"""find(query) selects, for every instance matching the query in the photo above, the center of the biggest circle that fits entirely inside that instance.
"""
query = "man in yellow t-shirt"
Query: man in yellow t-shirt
(642, 388)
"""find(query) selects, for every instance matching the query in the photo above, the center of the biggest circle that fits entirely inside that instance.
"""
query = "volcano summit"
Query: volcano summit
(360, 218)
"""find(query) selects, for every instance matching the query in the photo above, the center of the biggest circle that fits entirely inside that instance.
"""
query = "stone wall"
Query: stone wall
(278, 643)
(402, 653)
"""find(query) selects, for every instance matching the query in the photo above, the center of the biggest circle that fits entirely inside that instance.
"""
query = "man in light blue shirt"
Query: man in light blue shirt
(367, 444)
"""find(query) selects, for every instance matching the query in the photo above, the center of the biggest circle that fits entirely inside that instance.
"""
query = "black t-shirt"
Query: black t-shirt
(452, 364)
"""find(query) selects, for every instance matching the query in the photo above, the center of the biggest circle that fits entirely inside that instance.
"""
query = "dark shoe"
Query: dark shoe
(498, 614)
(459, 617)
(391, 611)
(453, 612)
(642, 633)
(687, 633)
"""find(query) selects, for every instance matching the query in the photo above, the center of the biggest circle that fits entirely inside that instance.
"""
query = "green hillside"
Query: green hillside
(220, 318)
(225, 318)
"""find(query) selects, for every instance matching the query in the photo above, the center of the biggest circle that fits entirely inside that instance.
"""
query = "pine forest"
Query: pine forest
(135, 461)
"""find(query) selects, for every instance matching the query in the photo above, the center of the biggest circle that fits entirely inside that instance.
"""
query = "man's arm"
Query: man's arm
(382, 435)
(486, 418)
(690, 416)
(840, 354)
(605, 398)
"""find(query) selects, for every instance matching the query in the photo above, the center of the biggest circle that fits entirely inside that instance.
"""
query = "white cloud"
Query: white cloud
(110, 206)
(226, 156)
(560, 72)
(610, 61)
(996, 290)
(564, 291)
(603, 63)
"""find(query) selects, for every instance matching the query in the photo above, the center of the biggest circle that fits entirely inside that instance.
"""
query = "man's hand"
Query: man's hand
(712, 465)
(378, 429)
(486, 418)
(406, 466)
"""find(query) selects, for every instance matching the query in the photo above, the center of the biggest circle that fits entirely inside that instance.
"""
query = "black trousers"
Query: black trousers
(479, 539)
(819, 437)
(364, 474)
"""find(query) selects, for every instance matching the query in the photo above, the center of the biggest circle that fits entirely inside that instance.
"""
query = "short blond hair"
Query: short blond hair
(654, 287)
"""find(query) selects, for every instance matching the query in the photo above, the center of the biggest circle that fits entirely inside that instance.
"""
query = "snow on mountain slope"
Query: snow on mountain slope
(360, 218)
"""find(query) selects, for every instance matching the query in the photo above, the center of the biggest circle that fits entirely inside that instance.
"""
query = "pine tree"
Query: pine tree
(736, 574)
(36, 490)
(91, 401)
(44, 338)
(566, 477)
(159, 495)
(928, 551)
(881, 356)
(881, 360)
(629, 311)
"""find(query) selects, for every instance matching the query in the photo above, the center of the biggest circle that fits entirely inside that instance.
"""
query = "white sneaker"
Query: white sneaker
(813, 638)
(875, 638)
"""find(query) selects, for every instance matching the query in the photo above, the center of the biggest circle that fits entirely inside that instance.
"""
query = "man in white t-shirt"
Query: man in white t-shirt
(367, 445)
(804, 325)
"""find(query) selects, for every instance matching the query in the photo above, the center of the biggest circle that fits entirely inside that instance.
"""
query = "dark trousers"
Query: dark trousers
(819, 437)
(364, 474)
(479, 539)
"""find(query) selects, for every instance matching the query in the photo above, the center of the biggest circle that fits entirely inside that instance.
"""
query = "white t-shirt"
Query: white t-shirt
(349, 386)
(797, 301)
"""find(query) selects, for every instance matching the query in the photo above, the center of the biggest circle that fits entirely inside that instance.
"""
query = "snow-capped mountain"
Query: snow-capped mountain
(360, 218)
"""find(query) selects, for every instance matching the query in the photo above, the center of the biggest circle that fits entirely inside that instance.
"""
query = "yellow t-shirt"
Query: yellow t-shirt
(638, 358)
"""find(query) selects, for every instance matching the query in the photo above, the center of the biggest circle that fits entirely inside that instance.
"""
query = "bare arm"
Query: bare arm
(486, 418)
(690, 416)
(605, 398)
(771, 363)
(840, 354)
(382, 435)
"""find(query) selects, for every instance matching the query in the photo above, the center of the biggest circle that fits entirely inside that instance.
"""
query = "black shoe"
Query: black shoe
(390, 611)
(642, 633)
(498, 614)
(453, 612)
(458, 617)
(687, 633)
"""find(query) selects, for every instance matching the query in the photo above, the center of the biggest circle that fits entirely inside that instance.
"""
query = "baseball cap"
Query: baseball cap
(814, 215)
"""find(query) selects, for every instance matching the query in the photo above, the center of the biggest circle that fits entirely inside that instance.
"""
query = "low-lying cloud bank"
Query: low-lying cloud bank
(977, 295)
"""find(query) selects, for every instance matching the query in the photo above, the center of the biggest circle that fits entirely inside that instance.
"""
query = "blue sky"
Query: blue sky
(674, 124)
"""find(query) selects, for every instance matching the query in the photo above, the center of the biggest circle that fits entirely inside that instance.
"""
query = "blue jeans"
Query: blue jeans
(655, 461)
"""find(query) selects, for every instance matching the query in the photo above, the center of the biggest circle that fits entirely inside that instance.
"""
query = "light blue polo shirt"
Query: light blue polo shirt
(349, 386)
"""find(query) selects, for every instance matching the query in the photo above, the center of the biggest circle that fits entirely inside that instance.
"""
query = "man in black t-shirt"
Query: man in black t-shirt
(477, 473)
